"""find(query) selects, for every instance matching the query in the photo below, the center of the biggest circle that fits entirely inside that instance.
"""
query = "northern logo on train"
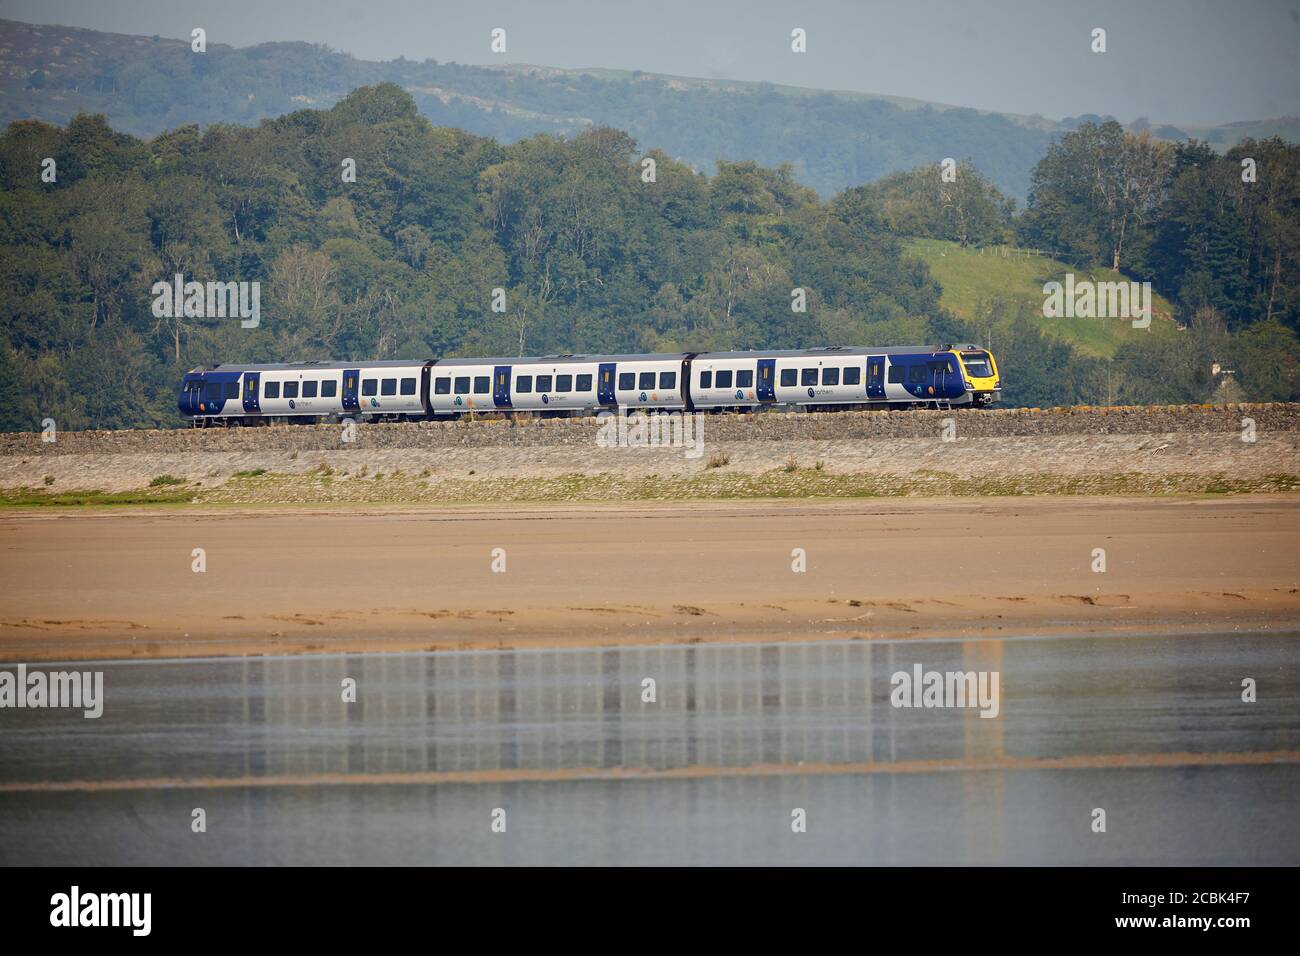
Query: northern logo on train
(811, 393)
(374, 403)
(546, 400)
(739, 393)
(459, 401)
(292, 403)
(643, 396)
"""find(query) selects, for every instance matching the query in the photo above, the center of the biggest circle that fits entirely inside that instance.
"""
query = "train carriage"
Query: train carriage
(812, 379)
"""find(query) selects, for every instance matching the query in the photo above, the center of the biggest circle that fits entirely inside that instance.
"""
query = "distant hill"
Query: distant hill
(146, 85)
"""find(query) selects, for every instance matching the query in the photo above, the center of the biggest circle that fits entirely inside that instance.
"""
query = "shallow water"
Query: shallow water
(912, 785)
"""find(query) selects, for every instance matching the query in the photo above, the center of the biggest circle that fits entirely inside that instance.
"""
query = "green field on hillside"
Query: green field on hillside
(972, 280)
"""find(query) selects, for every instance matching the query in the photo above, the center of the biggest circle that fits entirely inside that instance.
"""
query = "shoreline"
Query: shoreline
(286, 581)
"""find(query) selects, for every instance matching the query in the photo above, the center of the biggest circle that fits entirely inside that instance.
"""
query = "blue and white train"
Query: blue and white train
(558, 385)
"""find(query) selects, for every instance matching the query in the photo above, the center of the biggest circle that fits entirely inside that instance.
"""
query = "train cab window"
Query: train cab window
(408, 386)
(584, 383)
(896, 374)
(309, 389)
(212, 392)
(482, 384)
(462, 384)
(271, 390)
(788, 376)
(852, 375)
(667, 380)
(329, 389)
(706, 380)
(830, 376)
(745, 378)
(626, 381)
(290, 389)
(388, 387)
(647, 380)
(977, 364)
(524, 384)
(543, 383)
(808, 376)
(442, 386)
(564, 383)
(724, 379)
(370, 386)
(915, 374)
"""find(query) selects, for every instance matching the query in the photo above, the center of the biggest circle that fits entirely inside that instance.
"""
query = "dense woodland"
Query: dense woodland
(403, 261)
(148, 85)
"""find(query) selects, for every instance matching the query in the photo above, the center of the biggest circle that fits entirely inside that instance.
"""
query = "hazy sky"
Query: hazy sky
(1176, 61)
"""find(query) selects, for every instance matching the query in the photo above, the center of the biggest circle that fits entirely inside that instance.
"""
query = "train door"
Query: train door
(605, 385)
(875, 376)
(252, 393)
(501, 386)
(351, 383)
(767, 380)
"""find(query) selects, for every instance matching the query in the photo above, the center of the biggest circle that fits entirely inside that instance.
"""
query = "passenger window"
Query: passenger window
(706, 380)
(915, 374)
(309, 389)
(408, 386)
(745, 378)
(442, 386)
(212, 391)
(389, 387)
(271, 390)
(647, 380)
(370, 386)
(329, 389)
(543, 383)
(232, 389)
(626, 381)
(584, 383)
(724, 379)
(852, 375)
(524, 383)
(482, 384)
(667, 380)
(564, 383)
(788, 376)
(896, 374)
(809, 376)
(462, 384)
(830, 376)
(290, 389)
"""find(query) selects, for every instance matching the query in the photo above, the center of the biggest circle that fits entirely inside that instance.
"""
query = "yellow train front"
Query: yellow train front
(980, 372)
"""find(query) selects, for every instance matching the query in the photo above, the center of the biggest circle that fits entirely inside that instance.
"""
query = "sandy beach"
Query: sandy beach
(88, 585)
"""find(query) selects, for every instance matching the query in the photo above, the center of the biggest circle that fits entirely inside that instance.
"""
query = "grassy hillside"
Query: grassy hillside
(973, 280)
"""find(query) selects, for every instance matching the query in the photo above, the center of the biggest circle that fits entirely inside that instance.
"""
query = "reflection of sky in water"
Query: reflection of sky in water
(717, 706)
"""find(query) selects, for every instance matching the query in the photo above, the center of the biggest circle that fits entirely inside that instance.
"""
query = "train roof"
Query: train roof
(311, 366)
(563, 359)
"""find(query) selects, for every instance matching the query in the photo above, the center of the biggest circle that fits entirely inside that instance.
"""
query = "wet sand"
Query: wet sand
(120, 584)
